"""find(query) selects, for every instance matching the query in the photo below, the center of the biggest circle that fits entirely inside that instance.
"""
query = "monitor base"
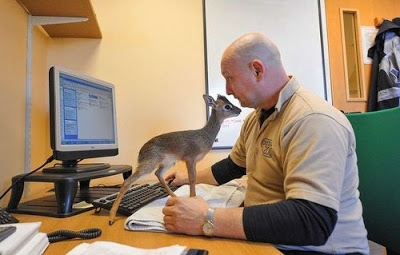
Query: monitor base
(66, 187)
(79, 168)
(48, 205)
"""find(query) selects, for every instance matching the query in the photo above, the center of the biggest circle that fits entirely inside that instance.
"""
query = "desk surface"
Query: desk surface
(117, 233)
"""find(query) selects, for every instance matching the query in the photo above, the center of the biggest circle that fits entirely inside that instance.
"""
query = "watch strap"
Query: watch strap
(208, 226)
(210, 215)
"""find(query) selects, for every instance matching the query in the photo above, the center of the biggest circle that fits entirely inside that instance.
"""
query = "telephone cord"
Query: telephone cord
(61, 235)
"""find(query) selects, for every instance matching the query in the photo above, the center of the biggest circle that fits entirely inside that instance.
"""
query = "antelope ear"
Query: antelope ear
(210, 101)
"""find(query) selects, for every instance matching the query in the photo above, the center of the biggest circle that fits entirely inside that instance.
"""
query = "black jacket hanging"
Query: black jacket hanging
(385, 79)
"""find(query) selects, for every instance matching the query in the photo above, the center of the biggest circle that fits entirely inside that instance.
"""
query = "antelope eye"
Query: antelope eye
(228, 107)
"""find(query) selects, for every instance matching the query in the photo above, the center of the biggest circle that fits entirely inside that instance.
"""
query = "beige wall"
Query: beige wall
(153, 51)
(12, 69)
(13, 24)
(13, 52)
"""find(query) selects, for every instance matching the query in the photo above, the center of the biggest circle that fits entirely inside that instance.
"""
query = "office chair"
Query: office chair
(378, 151)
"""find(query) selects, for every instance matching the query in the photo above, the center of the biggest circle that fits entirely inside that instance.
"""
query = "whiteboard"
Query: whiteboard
(297, 27)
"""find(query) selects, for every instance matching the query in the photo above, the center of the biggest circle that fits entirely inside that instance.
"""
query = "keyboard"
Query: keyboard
(135, 197)
(6, 217)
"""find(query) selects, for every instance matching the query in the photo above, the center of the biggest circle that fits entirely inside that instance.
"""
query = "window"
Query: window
(353, 66)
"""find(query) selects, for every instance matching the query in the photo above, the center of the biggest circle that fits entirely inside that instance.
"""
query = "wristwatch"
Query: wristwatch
(208, 226)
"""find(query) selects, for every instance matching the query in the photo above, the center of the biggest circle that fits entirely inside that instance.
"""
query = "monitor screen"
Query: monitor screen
(82, 117)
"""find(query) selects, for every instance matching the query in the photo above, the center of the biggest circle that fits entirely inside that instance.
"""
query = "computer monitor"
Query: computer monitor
(82, 120)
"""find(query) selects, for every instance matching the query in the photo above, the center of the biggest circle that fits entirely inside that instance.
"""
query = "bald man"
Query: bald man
(298, 153)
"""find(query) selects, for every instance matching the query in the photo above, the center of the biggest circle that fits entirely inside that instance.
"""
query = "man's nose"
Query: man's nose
(228, 89)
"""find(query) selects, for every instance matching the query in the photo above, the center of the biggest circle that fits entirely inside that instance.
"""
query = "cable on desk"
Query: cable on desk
(61, 235)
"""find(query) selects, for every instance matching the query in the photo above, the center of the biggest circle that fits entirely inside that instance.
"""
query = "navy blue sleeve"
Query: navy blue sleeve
(226, 170)
(291, 222)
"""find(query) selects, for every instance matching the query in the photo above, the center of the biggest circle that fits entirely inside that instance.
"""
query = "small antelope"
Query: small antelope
(163, 151)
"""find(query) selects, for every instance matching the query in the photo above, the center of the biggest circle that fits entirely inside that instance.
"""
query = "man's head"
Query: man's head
(253, 71)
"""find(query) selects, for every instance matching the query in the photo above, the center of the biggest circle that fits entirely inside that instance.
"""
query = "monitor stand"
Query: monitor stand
(72, 166)
(69, 190)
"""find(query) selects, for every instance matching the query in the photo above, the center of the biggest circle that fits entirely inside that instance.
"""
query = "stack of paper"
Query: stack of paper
(111, 248)
(151, 218)
(26, 240)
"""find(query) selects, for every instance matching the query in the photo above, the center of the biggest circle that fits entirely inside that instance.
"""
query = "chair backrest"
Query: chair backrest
(378, 151)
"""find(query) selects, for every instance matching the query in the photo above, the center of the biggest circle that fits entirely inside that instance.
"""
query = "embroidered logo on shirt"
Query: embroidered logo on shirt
(266, 145)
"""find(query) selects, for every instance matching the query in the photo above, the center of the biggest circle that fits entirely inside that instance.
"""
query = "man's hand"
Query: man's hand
(177, 178)
(180, 177)
(185, 215)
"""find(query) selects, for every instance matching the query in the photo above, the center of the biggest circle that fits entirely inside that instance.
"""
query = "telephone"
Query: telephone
(6, 217)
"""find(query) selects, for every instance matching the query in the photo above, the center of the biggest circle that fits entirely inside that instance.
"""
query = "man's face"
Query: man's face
(239, 82)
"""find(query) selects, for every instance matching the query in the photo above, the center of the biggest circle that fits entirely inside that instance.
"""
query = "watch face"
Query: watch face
(208, 228)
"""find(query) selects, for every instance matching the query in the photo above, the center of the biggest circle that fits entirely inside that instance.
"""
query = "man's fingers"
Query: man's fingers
(169, 177)
(170, 201)
(170, 227)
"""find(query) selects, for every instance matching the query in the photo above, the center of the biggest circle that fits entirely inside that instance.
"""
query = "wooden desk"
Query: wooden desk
(117, 233)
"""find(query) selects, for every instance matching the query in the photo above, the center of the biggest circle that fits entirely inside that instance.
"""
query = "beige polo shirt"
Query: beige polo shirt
(304, 150)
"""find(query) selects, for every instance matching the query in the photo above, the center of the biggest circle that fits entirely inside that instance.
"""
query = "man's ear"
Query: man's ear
(258, 69)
